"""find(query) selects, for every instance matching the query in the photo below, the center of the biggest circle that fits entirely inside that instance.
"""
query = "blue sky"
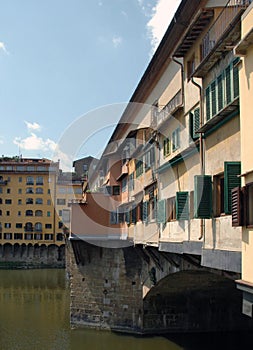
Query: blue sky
(60, 59)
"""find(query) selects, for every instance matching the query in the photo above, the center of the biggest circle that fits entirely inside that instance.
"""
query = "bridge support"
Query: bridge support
(140, 290)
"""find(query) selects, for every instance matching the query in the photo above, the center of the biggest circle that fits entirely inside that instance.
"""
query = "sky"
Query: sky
(62, 59)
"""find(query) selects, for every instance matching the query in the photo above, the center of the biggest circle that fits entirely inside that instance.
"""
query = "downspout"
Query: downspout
(182, 76)
(201, 148)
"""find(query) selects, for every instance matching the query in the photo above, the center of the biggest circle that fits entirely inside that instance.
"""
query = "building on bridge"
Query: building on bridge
(163, 185)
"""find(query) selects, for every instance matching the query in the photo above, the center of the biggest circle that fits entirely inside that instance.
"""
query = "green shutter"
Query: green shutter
(191, 130)
(182, 206)
(127, 216)
(236, 78)
(134, 214)
(208, 109)
(196, 123)
(228, 84)
(145, 212)
(213, 98)
(203, 196)
(220, 92)
(231, 180)
(161, 211)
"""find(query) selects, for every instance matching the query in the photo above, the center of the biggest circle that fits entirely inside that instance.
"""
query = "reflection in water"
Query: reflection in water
(34, 314)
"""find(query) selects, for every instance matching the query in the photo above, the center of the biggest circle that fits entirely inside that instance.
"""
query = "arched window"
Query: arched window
(29, 213)
(29, 227)
(1, 201)
(29, 201)
(29, 190)
(0, 212)
(38, 213)
(38, 227)
(39, 180)
(29, 180)
(39, 190)
(38, 201)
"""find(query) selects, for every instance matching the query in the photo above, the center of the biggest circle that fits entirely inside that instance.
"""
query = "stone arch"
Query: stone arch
(8, 251)
(16, 250)
(193, 300)
(23, 250)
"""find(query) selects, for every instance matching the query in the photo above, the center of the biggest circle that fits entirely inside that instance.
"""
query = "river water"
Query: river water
(34, 315)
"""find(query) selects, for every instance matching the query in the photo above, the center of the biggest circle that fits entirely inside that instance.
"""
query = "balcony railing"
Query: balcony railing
(232, 9)
(170, 108)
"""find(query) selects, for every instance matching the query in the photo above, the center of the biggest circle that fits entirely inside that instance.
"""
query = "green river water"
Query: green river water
(34, 315)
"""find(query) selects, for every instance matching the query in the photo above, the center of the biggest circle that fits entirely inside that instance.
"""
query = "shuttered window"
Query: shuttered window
(236, 207)
(166, 147)
(161, 211)
(228, 84)
(202, 196)
(213, 98)
(145, 211)
(231, 180)
(133, 214)
(220, 92)
(208, 107)
(236, 78)
(182, 205)
(194, 124)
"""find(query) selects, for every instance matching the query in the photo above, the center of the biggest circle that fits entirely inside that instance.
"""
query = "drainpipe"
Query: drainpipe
(182, 76)
(201, 147)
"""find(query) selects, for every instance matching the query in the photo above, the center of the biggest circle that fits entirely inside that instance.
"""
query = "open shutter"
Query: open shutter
(208, 107)
(145, 212)
(196, 123)
(236, 207)
(134, 214)
(182, 206)
(127, 216)
(161, 211)
(231, 180)
(236, 77)
(202, 196)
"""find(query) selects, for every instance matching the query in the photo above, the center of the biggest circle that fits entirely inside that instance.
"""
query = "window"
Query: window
(7, 235)
(30, 168)
(223, 90)
(175, 139)
(60, 212)
(0, 212)
(249, 205)
(131, 182)
(171, 208)
(29, 190)
(49, 202)
(19, 213)
(7, 213)
(48, 237)
(38, 201)
(39, 180)
(115, 190)
(1, 190)
(20, 179)
(166, 147)
(28, 227)
(218, 182)
(29, 201)
(38, 213)
(48, 191)
(8, 190)
(18, 225)
(8, 201)
(19, 201)
(7, 225)
(190, 67)
(194, 124)
(38, 236)
(29, 180)
(161, 211)
(203, 196)
(39, 190)
(20, 191)
(48, 213)
(48, 226)
(38, 227)
(28, 236)
(149, 159)
(60, 224)
(139, 168)
(61, 201)
(124, 184)
(29, 213)
(18, 236)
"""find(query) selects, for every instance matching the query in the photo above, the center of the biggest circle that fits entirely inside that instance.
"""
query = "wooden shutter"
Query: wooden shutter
(231, 180)
(203, 196)
(134, 212)
(220, 92)
(213, 98)
(182, 206)
(228, 84)
(145, 212)
(161, 211)
(236, 207)
(127, 216)
(196, 123)
(208, 109)
(236, 78)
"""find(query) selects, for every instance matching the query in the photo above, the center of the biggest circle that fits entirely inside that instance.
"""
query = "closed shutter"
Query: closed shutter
(203, 196)
(182, 206)
(213, 98)
(236, 78)
(228, 84)
(231, 180)
(127, 216)
(236, 207)
(196, 123)
(161, 211)
(134, 212)
(220, 92)
(208, 109)
(145, 212)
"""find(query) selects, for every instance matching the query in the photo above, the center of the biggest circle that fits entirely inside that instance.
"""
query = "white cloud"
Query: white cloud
(1, 140)
(161, 16)
(116, 40)
(2, 47)
(32, 126)
(34, 143)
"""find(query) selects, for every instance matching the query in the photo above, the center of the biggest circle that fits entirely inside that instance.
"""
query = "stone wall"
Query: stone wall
(32, 256)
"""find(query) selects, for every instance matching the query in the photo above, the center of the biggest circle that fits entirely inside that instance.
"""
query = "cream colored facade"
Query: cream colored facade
(245, 51)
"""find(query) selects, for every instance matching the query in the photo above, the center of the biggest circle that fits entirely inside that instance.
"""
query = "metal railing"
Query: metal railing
(171, 107)
(221, 24)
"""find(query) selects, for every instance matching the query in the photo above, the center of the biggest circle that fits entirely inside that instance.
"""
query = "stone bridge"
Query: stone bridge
(142, 290)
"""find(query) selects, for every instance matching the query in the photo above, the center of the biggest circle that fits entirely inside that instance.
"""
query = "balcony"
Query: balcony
(171, 107)
(222, 36)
